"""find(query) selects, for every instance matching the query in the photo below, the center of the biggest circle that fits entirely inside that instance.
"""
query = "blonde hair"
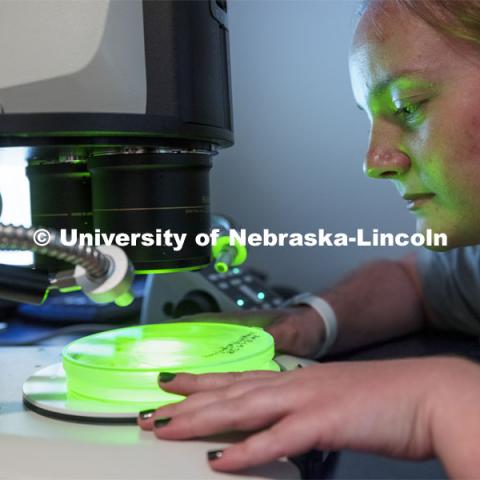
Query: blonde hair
(456, 18)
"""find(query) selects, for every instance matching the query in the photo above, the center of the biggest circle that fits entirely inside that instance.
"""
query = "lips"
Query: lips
(417, 200)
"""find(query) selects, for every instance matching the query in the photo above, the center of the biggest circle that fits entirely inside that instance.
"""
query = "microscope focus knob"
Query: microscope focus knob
(196, 301)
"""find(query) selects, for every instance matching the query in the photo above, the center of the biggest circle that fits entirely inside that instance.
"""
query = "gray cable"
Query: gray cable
(20, 238)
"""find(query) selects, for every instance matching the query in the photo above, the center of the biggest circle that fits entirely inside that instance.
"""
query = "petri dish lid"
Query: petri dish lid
(122, 365)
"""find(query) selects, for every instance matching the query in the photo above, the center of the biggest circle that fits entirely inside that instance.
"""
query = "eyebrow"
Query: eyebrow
(389, 80)
(393, 78)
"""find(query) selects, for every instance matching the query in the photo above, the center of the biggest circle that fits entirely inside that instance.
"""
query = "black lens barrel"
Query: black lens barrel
(154, 192)
(141, 194)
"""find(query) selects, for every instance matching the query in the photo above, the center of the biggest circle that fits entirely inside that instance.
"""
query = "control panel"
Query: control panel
(189, 293)
(244, 288)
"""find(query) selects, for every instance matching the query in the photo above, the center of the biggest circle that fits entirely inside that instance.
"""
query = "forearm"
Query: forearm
(379, 301)
(455, 419)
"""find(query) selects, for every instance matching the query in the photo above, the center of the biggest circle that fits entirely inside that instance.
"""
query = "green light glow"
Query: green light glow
(401, 99)
(45, 296)
(224, 242)
(74, 288)
(124, 300)
(221, 267)
(121, 366)
(170, 270)
(86, 133)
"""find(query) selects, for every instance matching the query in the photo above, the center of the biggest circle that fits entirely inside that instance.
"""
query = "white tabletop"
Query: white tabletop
(36, 447)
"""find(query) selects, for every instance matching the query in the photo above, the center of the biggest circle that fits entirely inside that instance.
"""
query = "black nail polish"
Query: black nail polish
(165, 377)
(161, 422)
(146, 414)
(214, 455)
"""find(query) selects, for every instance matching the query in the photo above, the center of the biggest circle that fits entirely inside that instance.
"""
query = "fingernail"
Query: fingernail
(146, 414)
(161, 422)
(165, 377)
(214, 455)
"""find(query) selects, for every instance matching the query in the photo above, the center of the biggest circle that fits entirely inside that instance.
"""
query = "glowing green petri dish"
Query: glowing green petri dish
(122, 365)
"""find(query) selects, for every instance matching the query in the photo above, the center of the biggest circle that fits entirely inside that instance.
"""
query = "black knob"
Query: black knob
(196, 301)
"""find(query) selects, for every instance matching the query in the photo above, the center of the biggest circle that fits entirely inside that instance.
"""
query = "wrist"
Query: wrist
(455, 418)
(325, 316)
(312, 317)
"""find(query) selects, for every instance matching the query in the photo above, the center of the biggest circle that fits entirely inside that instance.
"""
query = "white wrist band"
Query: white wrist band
(326, 313)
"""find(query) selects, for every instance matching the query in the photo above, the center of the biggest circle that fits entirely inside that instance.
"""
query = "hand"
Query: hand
(297, 330)
(402, 408)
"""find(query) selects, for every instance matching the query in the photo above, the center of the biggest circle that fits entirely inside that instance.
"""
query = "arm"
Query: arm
(379, 301)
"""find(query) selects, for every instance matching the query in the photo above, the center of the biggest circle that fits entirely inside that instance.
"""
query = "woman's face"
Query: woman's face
(422, 96)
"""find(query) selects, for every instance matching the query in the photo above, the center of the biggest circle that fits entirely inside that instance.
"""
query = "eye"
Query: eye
(408, 109)
(410, 113)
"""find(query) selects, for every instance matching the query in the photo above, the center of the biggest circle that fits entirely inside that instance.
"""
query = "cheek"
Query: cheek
(464, 121)
(465, 154)
(450, 149)
(472, 137)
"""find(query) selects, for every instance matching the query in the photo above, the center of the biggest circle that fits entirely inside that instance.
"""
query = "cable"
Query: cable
(91, 259)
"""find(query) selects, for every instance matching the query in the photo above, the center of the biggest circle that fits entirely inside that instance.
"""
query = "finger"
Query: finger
(146, 419)
(289, 437)
(200, 400)
(251, 411)
(188, 383)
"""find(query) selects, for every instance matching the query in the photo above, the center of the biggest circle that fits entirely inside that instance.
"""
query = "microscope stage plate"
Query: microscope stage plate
(45, 392)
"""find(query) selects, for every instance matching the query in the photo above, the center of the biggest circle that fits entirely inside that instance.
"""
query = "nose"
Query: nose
(384, 159)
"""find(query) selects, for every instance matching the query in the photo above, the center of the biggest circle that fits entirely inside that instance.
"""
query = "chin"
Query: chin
(456, 238)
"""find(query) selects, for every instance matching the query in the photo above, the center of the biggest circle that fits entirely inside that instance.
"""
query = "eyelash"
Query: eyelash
(409, 111)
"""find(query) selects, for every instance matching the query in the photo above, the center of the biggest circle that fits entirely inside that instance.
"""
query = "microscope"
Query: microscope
(120, 106)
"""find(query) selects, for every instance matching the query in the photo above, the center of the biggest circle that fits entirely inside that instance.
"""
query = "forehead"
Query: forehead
(390, 42)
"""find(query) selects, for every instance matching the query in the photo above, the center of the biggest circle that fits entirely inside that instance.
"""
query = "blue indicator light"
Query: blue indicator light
(240, 302)
(261, 296)
(236, 271)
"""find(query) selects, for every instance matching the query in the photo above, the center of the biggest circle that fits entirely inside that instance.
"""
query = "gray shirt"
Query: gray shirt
(451, 286)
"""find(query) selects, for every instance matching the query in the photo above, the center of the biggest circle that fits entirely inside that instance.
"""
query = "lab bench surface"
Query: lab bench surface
(36, 447)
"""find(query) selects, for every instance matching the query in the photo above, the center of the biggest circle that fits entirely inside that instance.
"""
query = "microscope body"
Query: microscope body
(120, 106)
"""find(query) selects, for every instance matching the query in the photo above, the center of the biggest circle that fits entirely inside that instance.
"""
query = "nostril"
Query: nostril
(388, 174)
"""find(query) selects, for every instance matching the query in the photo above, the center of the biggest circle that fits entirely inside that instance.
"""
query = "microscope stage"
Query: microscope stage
(112, 376)
(45, 392)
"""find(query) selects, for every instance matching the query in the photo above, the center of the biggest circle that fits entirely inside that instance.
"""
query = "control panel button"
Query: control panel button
(249, 293)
